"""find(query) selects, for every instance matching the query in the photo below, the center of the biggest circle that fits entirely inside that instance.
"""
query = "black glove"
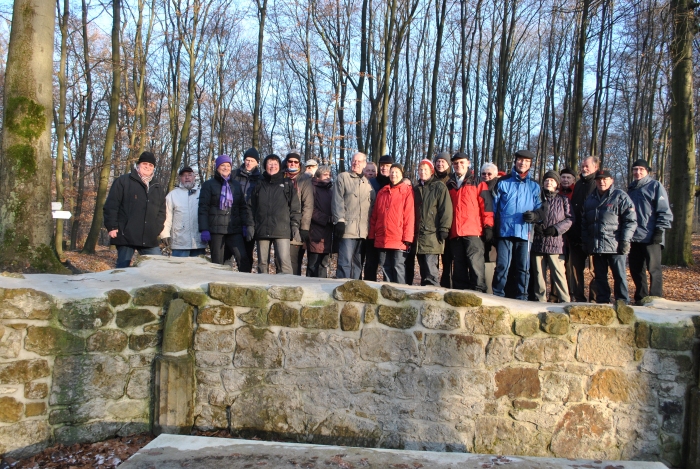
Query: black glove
(339, 229)
(624, 248)
(550, 231)
(658, 237)
(442, 235)
(249, 233)
(539, 229)
(530, 217)
(408, 246)
(304, 236)
(167, 242)
(487, 234)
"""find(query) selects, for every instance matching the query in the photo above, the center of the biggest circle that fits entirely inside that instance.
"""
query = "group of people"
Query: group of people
(375, 218)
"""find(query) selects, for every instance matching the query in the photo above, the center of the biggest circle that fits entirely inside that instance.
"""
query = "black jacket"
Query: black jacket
(276, 207)
(582, 189)
(608, 219)
(228, 221)
(247, 180)
(137, 211)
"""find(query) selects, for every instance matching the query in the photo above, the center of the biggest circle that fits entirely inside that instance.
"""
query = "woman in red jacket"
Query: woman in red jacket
(391, 225)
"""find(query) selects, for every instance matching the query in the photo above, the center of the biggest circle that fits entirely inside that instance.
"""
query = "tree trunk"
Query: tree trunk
(577, 111)
(682, 187)
(61, 121)
(440, 13)
(262, 14)
(26, 225)
(96, 226)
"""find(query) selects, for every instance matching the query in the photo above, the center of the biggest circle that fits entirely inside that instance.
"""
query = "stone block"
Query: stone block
(671, 450)
(286, 293)
(585, 431)
(666, 363)
(381, 345)
(154, 295)
(215, 340)
(194, 298)
(281, 314)
(25, 303)
(611, 384)
(141, 360)
(10, 410)
(672, 414)
(254, 316)
(625, 313)
(370, 314)
(555, 323)
(462, 299)
(211, 418)
(35, 409)
(350, 318)
(454, 350)
(153, 328)
(275, 410)
(52, 341)
(496, 435)
(139, 386)
(79, 378)
(672, 337)
(257, 348)
(426, 296)
(356, 290)
(179, 327)
(545, 350)
(232, 295)
(605, 346)
(34, 390)
(488, 320)
(313, 349)
(591, 314)
(393, 293)
(347, 428)
(133, 317)
(23, 371)
(85, 314)
(127, 410)
(319, 317)
(499, 351)
(173, 410)
(87, 433)
(642, 334)
(213, 359)
(525, 326)
(399, 317)
(108, 341)
(10, 342)
(139, 342)
(518, 383)
(561, 387)
(118, 297)
(24, 439)
(216, 314)
(437, 317)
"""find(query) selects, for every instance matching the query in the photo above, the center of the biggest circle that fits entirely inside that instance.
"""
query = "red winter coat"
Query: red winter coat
(393, 219)
(568, 192)
(472, 204)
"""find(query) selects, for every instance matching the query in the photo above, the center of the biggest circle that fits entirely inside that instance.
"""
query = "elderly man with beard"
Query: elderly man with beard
(181, 231)
(134, 212)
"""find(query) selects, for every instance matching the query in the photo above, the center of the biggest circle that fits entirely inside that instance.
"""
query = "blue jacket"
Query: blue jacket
(651, 203)
(514, 196)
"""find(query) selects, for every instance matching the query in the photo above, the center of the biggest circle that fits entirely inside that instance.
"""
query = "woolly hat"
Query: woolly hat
(443, 155)
(397, 166)
(551, 175)
(147, 157)
(271, 157)
(641, 163)
(567, 170)
(252, 153)
(429, 163)
(386, 159)
(223, 159)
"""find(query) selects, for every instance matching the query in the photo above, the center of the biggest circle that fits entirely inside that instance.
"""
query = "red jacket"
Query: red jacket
(393, 219)
(569, 192)
(472, 204)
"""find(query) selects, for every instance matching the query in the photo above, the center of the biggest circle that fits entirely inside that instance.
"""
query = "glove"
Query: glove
(624, 248)
(408, 246)
(550, 231)
(339, 229)
(539, 229)
(206, 236)
(487, 234)
(304, 236)
(295, 233)
(249, 232)
(529, 217)
(658, 237)
(167, 242)
(442, 235)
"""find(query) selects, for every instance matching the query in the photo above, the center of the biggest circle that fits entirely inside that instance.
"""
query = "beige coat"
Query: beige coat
(353, 199)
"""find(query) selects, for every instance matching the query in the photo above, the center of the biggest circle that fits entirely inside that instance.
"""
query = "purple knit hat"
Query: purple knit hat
(223, 159)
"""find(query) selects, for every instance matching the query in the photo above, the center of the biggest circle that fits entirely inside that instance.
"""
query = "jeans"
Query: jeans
(296, 256)
(188, 252)
(349, 260)
(469, 270)
(616, 263)
(394, 265)
(317, 264)
(370, 256)
(283, 262)
(512, 253)
(643, 258)
(557, 274)
(429, 271)
(233, 243)
(125, 253)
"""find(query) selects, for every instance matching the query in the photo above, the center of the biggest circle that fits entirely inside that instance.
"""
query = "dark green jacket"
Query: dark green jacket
(433, 208)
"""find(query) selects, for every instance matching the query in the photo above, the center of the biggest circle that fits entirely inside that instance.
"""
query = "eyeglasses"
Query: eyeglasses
(292, 162)
(487, 174)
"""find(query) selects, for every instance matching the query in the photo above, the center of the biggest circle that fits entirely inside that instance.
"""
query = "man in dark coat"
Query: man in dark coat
(442, 173)
(134, 212)
(653, 218)
(248, 175)
(305, 192)
(609, 222)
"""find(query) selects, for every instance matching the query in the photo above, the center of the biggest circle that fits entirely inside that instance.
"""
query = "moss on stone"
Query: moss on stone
(555, 323)
(118, 297)
(356, 290)
(462, 299)
(672, 337)
(195, 298)
(397, 316)
(52, 341)
(393, 294)
(283, 315)
(625, 313)
(233, 295)
(154, 295)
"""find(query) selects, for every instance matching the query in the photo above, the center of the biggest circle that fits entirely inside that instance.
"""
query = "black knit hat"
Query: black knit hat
(386, 159)
(551, 175)
(459, 156)
(397, 166)
(641, 163)
(525, 154)
(443, 155)
(252, 153)
(567, 170)
(147, 157)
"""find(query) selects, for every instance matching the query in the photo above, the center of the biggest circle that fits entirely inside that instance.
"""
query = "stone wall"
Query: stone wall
(356, 365)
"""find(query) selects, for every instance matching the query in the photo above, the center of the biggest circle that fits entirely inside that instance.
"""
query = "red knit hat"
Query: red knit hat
(429, 163)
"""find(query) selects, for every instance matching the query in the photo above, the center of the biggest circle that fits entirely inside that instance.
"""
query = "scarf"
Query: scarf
(146, 180)
(226, 199)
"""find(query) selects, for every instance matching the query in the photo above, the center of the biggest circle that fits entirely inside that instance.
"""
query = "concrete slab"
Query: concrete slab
(178, 451)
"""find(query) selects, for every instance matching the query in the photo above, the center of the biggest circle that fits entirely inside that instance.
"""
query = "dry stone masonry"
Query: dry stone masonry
(349, 363)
